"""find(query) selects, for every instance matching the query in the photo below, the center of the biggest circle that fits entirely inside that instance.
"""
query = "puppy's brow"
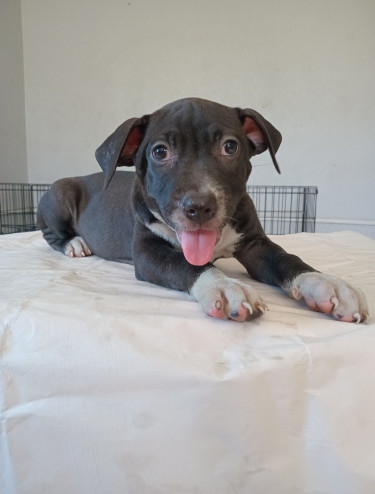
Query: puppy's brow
(217, 135)
(169, 136)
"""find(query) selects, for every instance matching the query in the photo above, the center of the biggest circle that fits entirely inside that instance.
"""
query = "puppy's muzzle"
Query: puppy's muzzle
(200, 208)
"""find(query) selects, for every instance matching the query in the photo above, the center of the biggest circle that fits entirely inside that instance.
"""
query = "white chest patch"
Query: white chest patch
(227, 243)
(161, 229)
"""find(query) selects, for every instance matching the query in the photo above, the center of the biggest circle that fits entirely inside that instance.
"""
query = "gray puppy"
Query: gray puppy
(185, 207)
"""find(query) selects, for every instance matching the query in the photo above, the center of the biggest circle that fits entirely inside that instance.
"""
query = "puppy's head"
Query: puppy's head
(192, 160)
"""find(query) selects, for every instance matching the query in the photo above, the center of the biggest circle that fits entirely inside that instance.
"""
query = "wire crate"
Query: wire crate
(281, 209)
(18, 205)
(285, 209)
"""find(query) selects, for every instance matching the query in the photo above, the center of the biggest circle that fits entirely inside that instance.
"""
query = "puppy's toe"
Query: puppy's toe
(244, 303)
(76, 247)
(350, 305)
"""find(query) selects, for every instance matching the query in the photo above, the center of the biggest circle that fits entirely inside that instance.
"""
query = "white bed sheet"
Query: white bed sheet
(110, 385)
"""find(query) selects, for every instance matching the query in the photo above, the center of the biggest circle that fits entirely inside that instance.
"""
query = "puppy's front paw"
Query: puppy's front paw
(226, 298)
(76, 247)
(330, 295)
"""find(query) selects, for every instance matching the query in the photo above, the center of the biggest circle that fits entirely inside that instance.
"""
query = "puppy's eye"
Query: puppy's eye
(161, 152)
(230, 147)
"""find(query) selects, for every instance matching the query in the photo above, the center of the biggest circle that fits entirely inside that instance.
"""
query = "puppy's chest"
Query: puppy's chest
(224, 248)
(227, 243)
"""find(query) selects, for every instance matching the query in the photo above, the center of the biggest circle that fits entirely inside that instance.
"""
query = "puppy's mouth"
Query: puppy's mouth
(198, 245)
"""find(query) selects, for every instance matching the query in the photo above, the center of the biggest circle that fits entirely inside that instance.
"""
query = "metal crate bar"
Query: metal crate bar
(281, 209)
(18, 206)
(284, 209)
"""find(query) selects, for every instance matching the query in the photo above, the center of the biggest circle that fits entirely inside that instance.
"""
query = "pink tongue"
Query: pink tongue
(198, 246)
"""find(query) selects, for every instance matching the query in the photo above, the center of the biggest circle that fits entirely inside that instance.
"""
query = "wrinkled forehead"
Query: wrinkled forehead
(194, 117)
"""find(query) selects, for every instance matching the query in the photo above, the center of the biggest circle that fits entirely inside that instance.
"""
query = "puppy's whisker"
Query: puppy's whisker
(229, 219)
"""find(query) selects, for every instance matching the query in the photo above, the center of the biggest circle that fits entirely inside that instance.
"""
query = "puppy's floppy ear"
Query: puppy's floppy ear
(119, 148)
(261, 133)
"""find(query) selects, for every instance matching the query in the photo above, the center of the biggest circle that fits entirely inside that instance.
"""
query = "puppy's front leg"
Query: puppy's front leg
(268, 262)
(157, 261)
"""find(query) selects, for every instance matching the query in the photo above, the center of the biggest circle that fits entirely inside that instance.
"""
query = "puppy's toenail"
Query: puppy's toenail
(218, 305)
(261, 308)
(357, 317)
(247, 306)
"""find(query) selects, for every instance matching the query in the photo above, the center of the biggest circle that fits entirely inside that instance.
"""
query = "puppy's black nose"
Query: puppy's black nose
(199, 207)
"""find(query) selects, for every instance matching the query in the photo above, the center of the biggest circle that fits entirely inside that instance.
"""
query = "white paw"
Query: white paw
(331, 295)
(226, 298)
(76, 247)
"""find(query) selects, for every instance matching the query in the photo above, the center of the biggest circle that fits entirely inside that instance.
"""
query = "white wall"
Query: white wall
(307, 66)
(13, 162)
